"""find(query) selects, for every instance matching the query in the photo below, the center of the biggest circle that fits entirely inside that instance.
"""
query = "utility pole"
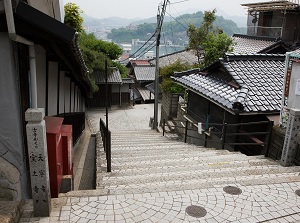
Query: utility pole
(160, 18)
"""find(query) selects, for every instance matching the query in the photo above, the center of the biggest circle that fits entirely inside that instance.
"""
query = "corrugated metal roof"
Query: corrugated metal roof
(252, 83)
(144, 73)
(113, 77)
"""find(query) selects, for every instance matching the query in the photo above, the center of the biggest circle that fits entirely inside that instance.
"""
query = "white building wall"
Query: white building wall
(61, 92)
(52, 89)
(67, 94)
(294, 96)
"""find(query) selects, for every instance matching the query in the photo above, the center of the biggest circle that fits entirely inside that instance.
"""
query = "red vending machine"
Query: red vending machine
(55, 154)
(67, 145)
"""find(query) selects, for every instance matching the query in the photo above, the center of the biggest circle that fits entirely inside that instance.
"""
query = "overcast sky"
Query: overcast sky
(148, 8)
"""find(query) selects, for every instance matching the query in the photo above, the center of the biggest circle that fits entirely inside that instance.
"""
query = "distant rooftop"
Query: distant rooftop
(272, 5)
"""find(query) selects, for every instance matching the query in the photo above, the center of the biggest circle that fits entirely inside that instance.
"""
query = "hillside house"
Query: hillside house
(277, 19)
(36, 40)
(143, 74)
(118, 89)
(237, 89)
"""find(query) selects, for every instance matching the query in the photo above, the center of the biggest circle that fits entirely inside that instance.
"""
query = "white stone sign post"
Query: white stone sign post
(38, 162)
(291, 138)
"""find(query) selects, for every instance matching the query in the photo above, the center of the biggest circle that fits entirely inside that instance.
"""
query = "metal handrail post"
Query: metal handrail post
(268, 138)
(186, 131)
(224, 134)
(164, 122)
(109, 152)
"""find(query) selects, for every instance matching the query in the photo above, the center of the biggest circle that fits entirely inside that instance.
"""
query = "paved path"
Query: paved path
(129, 118)
(163, 180)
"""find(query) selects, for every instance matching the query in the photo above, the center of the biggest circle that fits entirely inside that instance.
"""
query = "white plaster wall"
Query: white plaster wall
(293, 99)
(61, 92)
(52, 90)
(45, 6)
(40, 56)
(67, 94)
(14, 179)
(72, 96)
(53, 8)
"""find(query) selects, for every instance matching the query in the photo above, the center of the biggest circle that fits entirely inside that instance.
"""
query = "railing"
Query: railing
(273, 32)
(250, 138)
(77, 120)
(106, 139)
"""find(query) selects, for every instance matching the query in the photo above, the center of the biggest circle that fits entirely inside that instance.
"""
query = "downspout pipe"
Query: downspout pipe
(14, 37)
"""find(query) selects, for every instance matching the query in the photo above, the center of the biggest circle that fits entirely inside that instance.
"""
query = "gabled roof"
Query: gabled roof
(113, 77)
(144, 73)
(240, 83)
(245, 44)
(184, 56)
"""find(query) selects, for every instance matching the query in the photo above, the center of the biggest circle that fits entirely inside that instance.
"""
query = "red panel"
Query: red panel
(55, 155)
(67, 149)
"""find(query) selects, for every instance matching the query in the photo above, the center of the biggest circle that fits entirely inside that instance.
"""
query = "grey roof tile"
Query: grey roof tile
(258, 89)
(144, 73)
(113, 77)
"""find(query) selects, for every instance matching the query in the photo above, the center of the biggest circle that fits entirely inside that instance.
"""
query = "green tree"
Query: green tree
(73, 17)
(208, 42)
(167, 85)
(95, 52)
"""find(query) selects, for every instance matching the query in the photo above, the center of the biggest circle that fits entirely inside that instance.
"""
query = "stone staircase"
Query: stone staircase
(145, 161)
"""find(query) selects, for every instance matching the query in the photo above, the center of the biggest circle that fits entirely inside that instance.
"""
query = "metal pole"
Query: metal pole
(160, 19)
(156, 86)
(106, 108)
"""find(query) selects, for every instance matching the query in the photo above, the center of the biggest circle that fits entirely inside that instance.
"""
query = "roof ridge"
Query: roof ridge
(272, 39)
(188, 72)
(253, 56)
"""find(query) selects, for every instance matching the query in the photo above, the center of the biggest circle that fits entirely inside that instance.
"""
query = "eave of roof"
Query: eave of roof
(54, 36)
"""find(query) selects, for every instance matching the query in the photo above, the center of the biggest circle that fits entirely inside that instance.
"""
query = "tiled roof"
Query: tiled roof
(251, 44)
(127, 81)
(113, 77)
(184, 56)
(144, 73)
(138, 63)
(241, 83)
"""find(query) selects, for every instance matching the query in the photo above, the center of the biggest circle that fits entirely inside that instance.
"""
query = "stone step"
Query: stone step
(183, 167)
(149, 155)
(179, 185)
(146, 145)
(10, 211)
(175, 148)
(208, 174)
(185, 161)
